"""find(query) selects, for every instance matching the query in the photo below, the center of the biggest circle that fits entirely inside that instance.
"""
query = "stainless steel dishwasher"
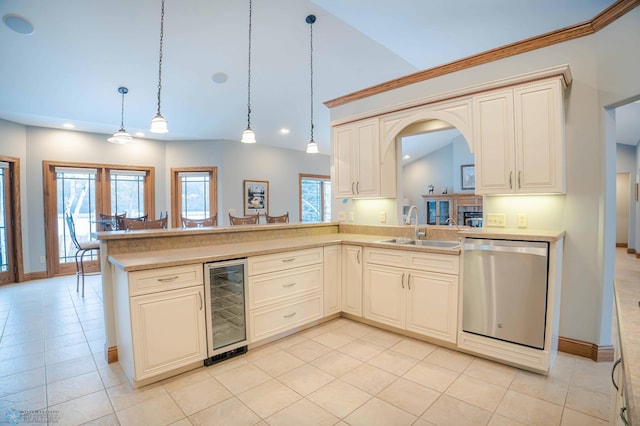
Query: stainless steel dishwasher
(505, 290)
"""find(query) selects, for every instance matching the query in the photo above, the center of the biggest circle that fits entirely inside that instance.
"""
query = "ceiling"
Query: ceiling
(69, 69)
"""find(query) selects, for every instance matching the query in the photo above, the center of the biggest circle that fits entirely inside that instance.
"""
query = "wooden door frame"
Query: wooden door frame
(16, 216)
(176, 192)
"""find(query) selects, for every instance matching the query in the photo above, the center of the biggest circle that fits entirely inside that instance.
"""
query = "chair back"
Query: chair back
(72, 230)
(112, 223)
(199, 223)
(243, 220)
(145, 217)
(134, 224)
(277, 219)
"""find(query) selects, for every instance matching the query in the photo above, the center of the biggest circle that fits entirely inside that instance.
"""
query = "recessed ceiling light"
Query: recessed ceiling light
(68, 126)
(219, 77)
(139, 134)
(406, 157)
(284, 131)
(18, 23)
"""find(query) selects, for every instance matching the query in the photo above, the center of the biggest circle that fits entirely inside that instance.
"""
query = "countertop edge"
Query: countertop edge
(627, 354)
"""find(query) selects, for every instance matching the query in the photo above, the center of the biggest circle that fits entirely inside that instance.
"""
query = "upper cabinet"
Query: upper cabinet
(358, 169)
(519, 139)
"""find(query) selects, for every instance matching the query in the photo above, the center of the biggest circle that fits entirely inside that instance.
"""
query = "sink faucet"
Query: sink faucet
(416, 233)
(452, 221)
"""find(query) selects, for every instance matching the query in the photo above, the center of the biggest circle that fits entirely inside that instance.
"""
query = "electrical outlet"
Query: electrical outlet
(342, 216)
(523, 220)
(383, 217)
(43, 260)
(352, 216)
(496, 220)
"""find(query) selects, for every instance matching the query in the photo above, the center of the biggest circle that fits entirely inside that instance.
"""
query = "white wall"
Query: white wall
(626, 162)
(235, 162)
(602, 76)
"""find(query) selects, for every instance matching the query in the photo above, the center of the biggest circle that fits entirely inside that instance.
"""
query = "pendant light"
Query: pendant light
(312, 146)
(158, 123)
(121, 136)
(249, 136)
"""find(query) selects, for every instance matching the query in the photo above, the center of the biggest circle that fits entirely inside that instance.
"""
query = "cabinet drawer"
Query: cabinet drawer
(384, 257)
(285, 260)
(278, 286)
(434, 262)
(163, 279)
(270, 321)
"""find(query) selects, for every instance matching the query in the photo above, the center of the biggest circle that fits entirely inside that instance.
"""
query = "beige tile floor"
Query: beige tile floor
(341, 372)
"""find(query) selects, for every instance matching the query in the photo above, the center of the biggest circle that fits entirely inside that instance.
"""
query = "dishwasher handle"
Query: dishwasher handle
(524, 247)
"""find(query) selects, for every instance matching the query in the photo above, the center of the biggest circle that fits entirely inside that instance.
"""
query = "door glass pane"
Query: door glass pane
(311, 200)
(76, 195)
(127, 194)
(195, 196)
(4, 259)
(326, 186)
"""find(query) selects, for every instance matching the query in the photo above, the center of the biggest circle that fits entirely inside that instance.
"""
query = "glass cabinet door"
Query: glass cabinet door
(431, 213)
(443, 212)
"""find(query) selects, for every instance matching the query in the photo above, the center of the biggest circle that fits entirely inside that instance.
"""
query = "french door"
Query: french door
(7, 246)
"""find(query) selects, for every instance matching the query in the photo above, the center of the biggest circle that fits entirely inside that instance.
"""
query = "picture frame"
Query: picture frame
(255, 197)
(468, 176)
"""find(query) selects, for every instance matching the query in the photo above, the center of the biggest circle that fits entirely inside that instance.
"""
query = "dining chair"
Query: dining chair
(199, 223)
(144, 217)
(112, 222)
(82, 248)
(277, 219)
(134, 224)
(243, 220)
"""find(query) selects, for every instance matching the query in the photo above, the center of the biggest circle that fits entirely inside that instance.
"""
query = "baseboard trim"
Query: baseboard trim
(585, 349)
(112, 354)
(622, 245)
(631, 250)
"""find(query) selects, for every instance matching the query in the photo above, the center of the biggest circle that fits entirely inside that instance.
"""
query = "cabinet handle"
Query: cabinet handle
(200, 294)
(288, 285)
(291, 259)
(352, 191)
(402, 280)
(289, 315)
(510, 176)
(409, 281)
(358, 256)
(519, 175)
(613, 370)
(358, 187)
(169, 279)
(623, 410)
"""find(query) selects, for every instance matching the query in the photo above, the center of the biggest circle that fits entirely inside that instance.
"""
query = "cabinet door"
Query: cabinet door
(168, 330)
(539, 141)
(332, 279)
(494, 143)
(432, 304)
(352, 279)
(385, 295)
(368, 159)
(343, 157)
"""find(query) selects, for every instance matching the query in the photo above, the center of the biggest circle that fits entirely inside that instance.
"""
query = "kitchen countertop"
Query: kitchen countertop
(627, 298)
(173, 257)
(513, 234)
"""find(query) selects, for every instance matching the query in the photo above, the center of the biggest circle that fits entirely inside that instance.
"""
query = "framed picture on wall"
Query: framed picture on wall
(468, 176)
(256, 197)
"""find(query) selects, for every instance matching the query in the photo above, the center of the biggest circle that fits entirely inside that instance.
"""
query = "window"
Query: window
(85, 191)
(315, 198)
(193, 193)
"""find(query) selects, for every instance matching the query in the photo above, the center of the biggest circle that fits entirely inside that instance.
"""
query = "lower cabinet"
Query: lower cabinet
(352, 279)
(332, 290)
(160, 321)
(285, 291)
(408, 298)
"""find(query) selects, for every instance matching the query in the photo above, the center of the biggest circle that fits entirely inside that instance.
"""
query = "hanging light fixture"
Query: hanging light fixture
(158, 123)
(312, 146)
(249, 136)
(121, 136)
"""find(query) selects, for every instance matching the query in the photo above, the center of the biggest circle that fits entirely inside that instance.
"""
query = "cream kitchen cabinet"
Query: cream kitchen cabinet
(285, 291)
(414, 291)
(359, 171)
(519, 139)
(352, 279)
(161, 321)
(332, 278)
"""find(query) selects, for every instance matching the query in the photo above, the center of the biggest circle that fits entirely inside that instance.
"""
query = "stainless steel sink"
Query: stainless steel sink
(424, 243)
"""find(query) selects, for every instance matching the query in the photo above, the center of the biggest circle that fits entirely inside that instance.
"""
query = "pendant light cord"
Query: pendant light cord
(311, 74)
(160, 61)
(122, 112)
(249, 71)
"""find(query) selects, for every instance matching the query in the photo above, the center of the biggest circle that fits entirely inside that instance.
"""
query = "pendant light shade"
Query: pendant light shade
(312, 146)
(249, 136)
(158, 123)
(121, 136)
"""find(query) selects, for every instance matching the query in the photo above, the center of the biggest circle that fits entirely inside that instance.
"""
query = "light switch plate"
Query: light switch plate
(383, 217)
(496, 220)
(523, 220)
(352, 216)
(342, 216)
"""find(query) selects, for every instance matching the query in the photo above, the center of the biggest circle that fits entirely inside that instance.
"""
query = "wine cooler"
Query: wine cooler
(226, 309)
